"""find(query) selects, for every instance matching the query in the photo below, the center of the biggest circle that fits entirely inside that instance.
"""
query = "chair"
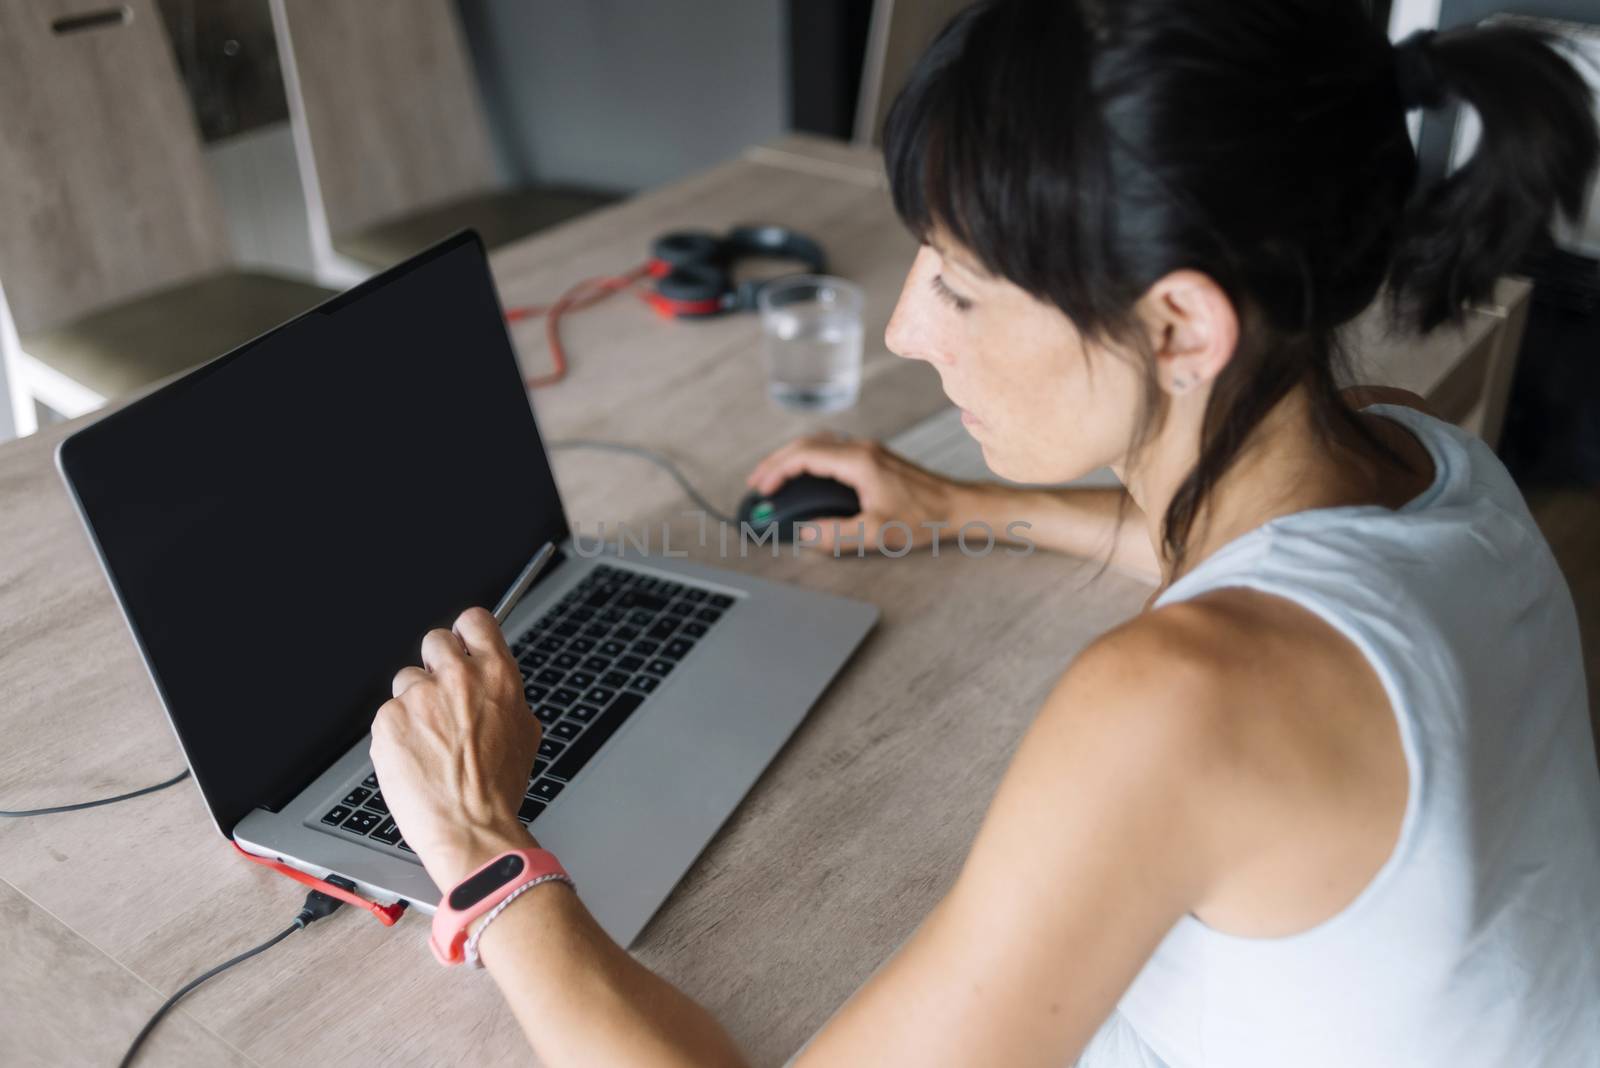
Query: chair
(114, 261)
(393, 147)
(900, 31)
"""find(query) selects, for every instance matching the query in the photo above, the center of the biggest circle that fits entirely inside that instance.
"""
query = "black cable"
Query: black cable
(317, 906)
(654, 457)
(182, 775)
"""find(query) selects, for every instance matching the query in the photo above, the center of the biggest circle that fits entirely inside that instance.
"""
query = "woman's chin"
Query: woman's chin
(1024, 467)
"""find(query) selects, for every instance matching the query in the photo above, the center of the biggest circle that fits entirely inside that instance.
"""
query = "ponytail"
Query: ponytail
(1537, 153)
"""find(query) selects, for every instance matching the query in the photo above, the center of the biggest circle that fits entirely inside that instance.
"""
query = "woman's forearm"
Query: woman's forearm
(582, 1000)
(1080, 522)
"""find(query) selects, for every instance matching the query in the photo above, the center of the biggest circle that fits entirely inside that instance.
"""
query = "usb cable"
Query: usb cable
(316, 907)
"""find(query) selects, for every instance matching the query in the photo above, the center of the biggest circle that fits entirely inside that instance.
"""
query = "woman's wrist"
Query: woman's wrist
(470, 848)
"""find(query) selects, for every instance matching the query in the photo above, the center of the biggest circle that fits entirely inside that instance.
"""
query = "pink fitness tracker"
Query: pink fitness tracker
(484, 892)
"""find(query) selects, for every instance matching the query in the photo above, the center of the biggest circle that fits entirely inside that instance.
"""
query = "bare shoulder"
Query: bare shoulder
(1240, 673)
(1278, 728)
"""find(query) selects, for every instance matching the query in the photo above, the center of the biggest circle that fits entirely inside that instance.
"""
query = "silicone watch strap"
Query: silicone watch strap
(481, 891)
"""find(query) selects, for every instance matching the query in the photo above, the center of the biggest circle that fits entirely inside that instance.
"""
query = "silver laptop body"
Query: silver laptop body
(638, 813)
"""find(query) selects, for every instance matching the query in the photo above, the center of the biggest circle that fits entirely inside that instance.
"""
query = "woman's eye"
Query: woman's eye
(950, 296)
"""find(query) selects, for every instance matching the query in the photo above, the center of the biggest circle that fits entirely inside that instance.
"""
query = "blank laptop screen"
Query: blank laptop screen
(284, 524)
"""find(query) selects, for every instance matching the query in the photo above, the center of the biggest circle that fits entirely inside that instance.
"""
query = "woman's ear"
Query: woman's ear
(1193, 327)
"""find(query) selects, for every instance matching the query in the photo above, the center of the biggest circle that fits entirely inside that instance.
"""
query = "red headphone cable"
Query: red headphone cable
(584, 294)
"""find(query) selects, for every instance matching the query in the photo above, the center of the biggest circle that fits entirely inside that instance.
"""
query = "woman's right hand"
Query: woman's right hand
(892, 489)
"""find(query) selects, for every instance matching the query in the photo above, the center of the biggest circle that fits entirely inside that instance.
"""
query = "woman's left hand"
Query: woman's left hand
(453, 749)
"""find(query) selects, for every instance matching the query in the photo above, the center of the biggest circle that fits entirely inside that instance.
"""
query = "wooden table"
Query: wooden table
(844, 844)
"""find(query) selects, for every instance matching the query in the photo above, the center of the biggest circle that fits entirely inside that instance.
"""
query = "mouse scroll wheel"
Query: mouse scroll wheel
(761, 512)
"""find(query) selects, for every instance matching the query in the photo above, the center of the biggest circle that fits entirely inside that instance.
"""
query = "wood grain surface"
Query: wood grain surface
(831, 861)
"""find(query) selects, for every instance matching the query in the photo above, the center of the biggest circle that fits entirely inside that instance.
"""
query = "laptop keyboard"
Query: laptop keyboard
(587, 665)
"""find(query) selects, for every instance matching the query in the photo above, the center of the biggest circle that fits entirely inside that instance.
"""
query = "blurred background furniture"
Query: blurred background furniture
(393, 147)
(114, 260)
(901, 31)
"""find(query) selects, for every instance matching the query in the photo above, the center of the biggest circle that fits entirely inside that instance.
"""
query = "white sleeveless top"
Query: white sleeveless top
(1478, 941)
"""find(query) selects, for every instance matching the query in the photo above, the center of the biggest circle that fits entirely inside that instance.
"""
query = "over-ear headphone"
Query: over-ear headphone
(693, 269)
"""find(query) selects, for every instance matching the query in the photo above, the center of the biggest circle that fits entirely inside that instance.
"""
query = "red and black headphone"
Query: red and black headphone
(693, 269)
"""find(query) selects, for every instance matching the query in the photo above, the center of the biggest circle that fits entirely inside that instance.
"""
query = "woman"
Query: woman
(1331, 799)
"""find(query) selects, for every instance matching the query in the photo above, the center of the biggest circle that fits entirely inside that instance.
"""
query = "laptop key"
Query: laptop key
(362, 822)
(564, 697)
(663, 629)
(581, 713)
(694, 594)
(550, 749)
(720, 600)
(566, 730)
(693, 629)
(538, 770)
(565, 661)
(630, 663)
(581, 645)
(548, 714)
(645, 648)
(371, 781)
(548, 645)
(614, 679)
(599, 732)
(530, 810)
(402, 845)
(336, 815)
(613, 615)
(639, 598)
(580, 680)
(549, 677)
(681, 608)
(388, 834)
(599, 695)
(377, 803)
(660, 667)
(535, 693)
(546, 789)
(356, 796)
(624, 634)
(708, 615)
(644, 683)
(678, 648)
(598, 664)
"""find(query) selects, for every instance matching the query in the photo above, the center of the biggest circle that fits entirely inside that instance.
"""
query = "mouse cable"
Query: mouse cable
(182, 775)
(316, 907)
(659, 459)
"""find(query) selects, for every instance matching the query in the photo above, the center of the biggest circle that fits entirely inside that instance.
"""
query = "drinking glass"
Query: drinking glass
(811, 338)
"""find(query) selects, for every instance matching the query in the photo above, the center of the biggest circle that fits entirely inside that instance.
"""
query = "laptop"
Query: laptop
(282, 525)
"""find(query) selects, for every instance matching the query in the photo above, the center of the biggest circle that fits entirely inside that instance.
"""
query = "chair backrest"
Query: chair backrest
(103, 190)
(385, 106)
(901, 30)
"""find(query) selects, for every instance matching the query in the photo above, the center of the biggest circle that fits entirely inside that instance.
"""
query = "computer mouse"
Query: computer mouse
(801, 498)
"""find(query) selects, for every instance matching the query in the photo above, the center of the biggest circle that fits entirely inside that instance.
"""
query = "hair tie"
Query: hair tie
(1416, 73)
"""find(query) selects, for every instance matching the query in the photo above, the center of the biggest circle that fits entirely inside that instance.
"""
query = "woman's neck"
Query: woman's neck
(1284, 467)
